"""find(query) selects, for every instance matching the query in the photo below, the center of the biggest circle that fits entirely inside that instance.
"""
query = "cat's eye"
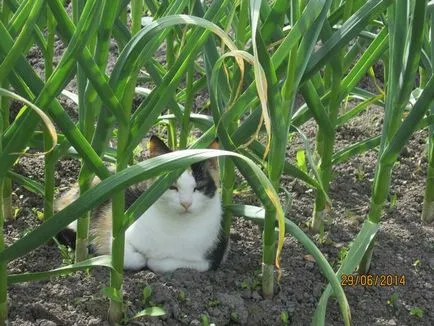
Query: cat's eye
(199, 188)
(173, 188)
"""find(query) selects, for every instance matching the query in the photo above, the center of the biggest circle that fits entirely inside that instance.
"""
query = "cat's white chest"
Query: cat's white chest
(170, 242)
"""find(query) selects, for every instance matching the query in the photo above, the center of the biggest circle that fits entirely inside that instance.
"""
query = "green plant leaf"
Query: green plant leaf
(27, 183)
(151, 312)
(112, 294)
(354, 256)
(104, 261)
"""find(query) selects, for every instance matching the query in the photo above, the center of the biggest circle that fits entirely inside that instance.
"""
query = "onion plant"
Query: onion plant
(51, 157)
(326, 93)
(405, 42)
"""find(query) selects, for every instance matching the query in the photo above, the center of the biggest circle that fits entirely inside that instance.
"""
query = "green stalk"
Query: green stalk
(228, 182)
(428, 201)
(93, 101)
(170, 58)
(325, 136)
(241, 27)
(118, 244)
(118, 205)
(7, 182)
(325, 145)
(7, 199)
(228, 167)
(281, 111)
(281, 105)
(379, 197)
(3, 265)
(4, 108)
(189, 99)
(136, 13)
(49, 169)
(118, 238)
(137, 9)
(50, 158)
(85, 123)
(123, 15)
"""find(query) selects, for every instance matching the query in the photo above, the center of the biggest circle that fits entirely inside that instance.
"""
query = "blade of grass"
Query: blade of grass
(104, 261)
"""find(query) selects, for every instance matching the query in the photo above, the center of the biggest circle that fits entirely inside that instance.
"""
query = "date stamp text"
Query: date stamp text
(373, 280)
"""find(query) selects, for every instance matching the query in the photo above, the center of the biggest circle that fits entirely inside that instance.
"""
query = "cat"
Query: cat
(182, 229)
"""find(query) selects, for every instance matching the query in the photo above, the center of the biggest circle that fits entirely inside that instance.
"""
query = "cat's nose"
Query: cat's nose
(186, 204)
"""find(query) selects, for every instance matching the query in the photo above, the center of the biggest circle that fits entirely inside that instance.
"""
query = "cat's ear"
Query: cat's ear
(213, 161)
(215, 144)
(157, 147)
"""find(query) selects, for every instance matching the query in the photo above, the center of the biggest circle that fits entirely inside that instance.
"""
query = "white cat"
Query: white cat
(182, 229)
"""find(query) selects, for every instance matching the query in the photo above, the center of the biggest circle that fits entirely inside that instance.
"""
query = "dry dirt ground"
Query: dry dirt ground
(231, 295)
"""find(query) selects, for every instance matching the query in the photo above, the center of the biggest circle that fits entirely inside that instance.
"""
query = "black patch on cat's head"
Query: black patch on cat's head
(204, 181)
(202, 172)
(131, 194)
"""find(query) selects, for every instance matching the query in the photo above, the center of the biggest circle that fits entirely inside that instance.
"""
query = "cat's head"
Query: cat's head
(192, 192)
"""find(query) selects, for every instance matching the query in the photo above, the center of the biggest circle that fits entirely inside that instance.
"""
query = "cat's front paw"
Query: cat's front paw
(134, 261)
(165, 265)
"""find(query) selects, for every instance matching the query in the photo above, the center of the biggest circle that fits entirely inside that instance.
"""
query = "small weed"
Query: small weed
(146, 295)
(288, 201)
(284, 317)
(16, 212)
(343, 253)
(417, 264)
(65, 252)
(234, 317)
(115, 132)
(392, 302)
(213, 303)
(204, 320)
(348, 214)
(251, 283)
(393, 200)
(39, 214)
(359, 173)
(256, 284)
(242, 188)
(150, 310)
(181, 296)
(112, 293)
(245, 284)
(417, 312)
(301, 160)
